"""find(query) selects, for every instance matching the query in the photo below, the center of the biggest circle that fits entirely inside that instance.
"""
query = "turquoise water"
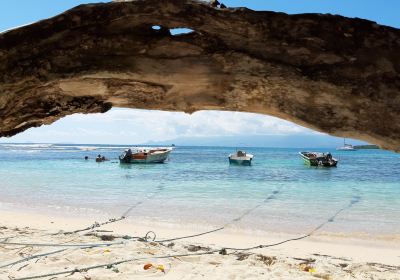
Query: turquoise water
(197, 185)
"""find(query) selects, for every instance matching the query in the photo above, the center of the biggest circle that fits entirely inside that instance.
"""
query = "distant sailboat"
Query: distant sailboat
(346, 147)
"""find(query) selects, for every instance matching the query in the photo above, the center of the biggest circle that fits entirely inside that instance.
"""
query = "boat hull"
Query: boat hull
(159, 157)
(245, 162)
(318, 162)
(346, 149)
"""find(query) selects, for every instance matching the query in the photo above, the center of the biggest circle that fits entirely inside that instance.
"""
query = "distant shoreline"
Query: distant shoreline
(360, 147)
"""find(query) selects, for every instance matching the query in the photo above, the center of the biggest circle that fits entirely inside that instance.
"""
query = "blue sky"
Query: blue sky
(143, 126)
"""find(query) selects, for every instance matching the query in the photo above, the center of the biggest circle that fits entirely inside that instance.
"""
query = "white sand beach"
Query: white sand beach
(322, 256)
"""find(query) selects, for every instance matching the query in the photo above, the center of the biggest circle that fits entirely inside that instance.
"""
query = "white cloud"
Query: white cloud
(138, 126)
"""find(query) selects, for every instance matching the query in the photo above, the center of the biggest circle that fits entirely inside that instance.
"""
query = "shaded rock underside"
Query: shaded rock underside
(330, 73)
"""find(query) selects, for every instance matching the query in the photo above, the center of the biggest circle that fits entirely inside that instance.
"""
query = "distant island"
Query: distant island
(366, 147)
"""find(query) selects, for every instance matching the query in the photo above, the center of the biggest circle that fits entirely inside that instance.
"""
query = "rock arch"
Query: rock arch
(329, 73)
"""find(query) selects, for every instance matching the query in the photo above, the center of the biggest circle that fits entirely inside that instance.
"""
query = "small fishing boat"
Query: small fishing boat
(346, 147)
(318, 159)
(240, 158)
(145, 155)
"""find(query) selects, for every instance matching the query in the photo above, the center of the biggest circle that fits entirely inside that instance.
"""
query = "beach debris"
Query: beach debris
(324, 276)
(88, 278)
(115, 269)
(170, 245)
(103, 237)
(150, 252)
(22, 267)
(242, 256)
(150, 236)
(106, 237)
(305, 261)
(107, 251)
(223, 252)
(194, 248)
(267, 260)
(159, 267)
(307, 268)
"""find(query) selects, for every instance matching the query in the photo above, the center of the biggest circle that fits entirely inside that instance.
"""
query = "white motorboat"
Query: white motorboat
(241, 158)
(145, 155)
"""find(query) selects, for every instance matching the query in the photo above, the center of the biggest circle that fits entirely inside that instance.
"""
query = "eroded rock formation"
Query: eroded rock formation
(330, 73)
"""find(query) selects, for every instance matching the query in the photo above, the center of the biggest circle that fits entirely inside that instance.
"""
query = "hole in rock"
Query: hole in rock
(180, 31)
(174, 31)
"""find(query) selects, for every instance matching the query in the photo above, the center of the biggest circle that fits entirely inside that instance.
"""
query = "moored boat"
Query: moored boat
(318, 159)
(145, 155)
(241, 158)
(346, 147)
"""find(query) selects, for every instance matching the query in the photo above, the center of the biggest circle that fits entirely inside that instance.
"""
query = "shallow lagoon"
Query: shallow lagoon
(198, 186)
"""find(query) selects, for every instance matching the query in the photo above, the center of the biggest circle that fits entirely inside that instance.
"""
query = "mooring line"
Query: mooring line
(235, 220)
(159, 189)
(355, 199)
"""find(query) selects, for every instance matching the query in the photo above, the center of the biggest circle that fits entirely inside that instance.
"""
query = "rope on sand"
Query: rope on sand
(146, 238)
(355, 199)
(113, 220)
(222, 251)
(32, 257)
(61, 245)
(189, 236)
(235, 220)
(107, 265)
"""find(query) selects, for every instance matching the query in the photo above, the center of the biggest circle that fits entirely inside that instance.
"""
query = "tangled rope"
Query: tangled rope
(85, 269)
(150, 236)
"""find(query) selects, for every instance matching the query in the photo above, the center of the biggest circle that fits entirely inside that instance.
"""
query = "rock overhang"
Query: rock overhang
(330, 73)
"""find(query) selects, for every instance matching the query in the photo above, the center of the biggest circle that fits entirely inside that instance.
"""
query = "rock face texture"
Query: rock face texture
(329, 73)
